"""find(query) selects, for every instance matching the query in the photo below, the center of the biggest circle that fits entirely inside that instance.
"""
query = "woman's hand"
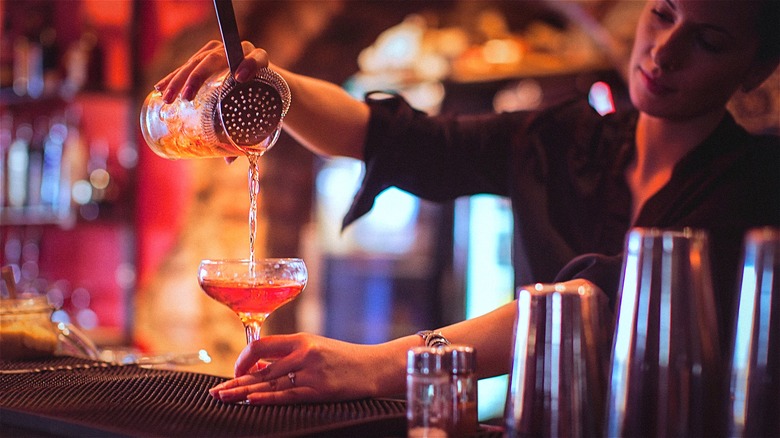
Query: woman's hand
(305, 368)
(320, 110)
(186, 80)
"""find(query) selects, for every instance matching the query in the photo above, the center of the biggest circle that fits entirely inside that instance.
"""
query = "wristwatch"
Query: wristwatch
(433, 339)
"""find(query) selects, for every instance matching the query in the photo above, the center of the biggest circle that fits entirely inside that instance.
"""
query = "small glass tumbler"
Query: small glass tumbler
(754, 402)
(561, 350)
(665, 376)
(428, 393)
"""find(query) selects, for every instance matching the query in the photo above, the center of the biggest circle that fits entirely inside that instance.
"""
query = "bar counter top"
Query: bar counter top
(67, 396)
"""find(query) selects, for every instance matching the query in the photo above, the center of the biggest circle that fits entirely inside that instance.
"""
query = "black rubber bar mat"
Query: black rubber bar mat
(76, 397)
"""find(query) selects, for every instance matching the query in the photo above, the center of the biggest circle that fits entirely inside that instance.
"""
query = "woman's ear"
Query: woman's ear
(759, 73)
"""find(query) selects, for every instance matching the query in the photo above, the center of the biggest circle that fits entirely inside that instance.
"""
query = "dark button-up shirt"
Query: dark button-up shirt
(564, 170)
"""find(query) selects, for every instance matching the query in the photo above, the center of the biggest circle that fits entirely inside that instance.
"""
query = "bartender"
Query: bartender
(578, 181)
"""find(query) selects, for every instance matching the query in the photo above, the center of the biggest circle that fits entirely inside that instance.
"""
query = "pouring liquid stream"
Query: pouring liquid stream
(253, 154)
(254, 191)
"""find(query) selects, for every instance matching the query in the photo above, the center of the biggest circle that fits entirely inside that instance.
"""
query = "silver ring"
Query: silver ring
(291, 376)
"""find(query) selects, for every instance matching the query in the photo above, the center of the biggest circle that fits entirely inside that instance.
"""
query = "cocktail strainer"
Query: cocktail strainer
(250, 113)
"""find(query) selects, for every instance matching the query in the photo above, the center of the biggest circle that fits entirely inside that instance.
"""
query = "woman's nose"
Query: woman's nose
(668, 52)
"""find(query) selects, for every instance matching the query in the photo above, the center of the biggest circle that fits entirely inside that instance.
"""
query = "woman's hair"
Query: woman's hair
(769, 30)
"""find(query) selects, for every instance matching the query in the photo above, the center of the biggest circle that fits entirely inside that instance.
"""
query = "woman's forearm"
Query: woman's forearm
(491, 336)
(324, 117)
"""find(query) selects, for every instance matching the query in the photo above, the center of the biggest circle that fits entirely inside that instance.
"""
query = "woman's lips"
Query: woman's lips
(654, 85)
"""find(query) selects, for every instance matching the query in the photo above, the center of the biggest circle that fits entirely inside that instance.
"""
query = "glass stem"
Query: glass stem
(252, 329)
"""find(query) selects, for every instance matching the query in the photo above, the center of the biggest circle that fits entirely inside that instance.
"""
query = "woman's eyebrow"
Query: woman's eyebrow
(706, 26)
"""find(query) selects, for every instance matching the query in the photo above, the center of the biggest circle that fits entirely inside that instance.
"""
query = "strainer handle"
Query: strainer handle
(229, 30)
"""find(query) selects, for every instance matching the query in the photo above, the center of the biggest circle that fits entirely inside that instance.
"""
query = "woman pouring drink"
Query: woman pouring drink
(676, 159)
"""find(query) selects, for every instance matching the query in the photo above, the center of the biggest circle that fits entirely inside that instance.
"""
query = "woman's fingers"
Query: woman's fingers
(237, 390)
(165, 82)
(294, 395)
(302, 368)
(276, 379)
(186, 80)
(270, 348)
(286, 389)
(195, 73)
(254, 60)
(276, 391)
(234, 388)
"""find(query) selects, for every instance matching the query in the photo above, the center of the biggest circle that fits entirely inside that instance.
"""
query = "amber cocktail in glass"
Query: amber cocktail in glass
(253, 289)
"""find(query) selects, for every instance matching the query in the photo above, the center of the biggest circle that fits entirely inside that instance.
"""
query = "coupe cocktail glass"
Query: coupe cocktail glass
(253, 289)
